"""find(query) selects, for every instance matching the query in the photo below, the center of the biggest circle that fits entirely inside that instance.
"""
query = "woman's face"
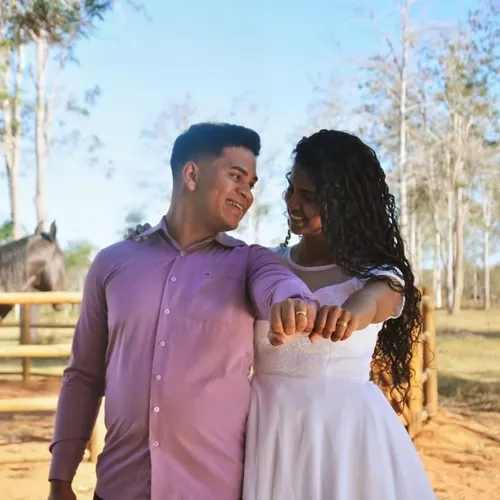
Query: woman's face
(302, 203)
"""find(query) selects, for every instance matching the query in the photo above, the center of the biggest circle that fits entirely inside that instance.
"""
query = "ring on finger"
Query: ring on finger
(342, 323)
(300, 313)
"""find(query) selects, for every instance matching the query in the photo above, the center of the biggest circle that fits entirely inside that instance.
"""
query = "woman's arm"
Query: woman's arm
(374, 303)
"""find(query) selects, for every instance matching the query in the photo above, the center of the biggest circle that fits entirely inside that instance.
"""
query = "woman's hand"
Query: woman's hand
(374, 303)
(334, 323)
(134, 233)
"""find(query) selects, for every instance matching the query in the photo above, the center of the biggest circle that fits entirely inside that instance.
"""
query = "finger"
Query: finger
(301, 312)
(341, 326)
(351, 327)
(320, 322)
(275, 322)
(331, 323)
(312, 311)
(276, 340)
(288, 316)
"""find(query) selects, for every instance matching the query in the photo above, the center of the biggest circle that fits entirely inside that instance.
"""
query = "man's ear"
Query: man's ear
(191, 175)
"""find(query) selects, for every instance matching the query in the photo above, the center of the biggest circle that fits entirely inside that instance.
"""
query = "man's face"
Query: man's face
(223, 188)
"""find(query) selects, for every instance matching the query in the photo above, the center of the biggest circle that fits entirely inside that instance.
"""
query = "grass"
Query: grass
(468, 354)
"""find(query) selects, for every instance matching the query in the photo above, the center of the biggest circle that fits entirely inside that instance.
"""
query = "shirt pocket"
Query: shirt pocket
(217, 296)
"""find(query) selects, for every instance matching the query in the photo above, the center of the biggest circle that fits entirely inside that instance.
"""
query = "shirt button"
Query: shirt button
(183, 254)
(167, 311)
(162, 343)
(158, 377)
(155, 443)
(156, 409)
(173, 279)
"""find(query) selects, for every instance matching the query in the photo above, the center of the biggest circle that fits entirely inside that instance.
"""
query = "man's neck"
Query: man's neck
(183, 226)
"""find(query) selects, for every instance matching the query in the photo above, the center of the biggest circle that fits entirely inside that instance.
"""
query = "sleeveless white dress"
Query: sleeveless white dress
(318, 429)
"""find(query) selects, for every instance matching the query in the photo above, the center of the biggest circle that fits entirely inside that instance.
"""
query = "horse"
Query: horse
(35, 262)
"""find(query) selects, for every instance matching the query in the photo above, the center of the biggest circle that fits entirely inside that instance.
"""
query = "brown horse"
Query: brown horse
(35, 262)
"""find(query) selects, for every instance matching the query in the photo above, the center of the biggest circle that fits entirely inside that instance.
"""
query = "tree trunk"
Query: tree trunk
(402, 156)
(15, 153)
(40, 128)
(418, 253)
(486, 255)
(437, 274)
(475, 287)
(458, 270)
(449, 254)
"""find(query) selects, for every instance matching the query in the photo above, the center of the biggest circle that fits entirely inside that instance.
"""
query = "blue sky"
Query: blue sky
(214, 51)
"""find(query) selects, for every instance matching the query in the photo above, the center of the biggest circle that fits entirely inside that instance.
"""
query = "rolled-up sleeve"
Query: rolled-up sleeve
(83, 381)
(271, 281)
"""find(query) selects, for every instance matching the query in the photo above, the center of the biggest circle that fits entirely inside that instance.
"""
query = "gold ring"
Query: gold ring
(342, 323)
(300, 313)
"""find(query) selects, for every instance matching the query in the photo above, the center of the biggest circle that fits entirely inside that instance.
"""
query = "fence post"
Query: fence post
(429, 328)
(96, 443)
(26, 338)
(415, 396)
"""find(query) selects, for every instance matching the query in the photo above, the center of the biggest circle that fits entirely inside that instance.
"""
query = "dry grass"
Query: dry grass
(468, 354)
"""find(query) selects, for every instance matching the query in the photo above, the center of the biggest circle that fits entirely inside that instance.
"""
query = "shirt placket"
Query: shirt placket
(160, 360)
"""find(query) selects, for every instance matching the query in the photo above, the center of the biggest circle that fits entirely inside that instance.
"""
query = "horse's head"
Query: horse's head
(46, 262)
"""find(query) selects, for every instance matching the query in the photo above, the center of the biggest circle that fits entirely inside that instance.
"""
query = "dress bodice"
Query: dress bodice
(349, 359)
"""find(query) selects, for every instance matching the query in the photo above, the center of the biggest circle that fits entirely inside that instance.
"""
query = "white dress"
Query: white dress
(318, 429)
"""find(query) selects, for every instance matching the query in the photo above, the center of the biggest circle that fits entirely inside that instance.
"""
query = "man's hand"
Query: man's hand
(334, 323)
(61, 490)
(289, 318)
(139, 229)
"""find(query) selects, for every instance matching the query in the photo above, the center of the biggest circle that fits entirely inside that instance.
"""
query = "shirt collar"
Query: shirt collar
(161, 227)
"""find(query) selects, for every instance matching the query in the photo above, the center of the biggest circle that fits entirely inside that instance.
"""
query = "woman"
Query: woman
(318, 429)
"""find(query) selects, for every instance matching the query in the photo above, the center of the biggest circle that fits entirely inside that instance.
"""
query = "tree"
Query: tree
(52, 25)
(11, 68)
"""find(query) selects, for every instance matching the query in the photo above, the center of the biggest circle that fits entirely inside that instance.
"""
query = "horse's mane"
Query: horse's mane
(13, 258)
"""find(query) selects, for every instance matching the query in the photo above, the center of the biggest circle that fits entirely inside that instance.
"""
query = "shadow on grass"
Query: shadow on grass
(475, 395)
(453, 333)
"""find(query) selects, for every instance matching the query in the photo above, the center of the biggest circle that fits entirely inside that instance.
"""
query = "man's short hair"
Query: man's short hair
(209, 139)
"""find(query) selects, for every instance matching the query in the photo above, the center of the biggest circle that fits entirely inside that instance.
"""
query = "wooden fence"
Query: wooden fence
(423, 402)
(26, 352)
(423, 394)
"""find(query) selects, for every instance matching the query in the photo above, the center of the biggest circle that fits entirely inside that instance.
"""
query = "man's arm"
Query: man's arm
(271, 281)
(83, 380)
(279, 295)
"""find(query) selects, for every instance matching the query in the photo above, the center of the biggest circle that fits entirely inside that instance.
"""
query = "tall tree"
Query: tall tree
(12, 49)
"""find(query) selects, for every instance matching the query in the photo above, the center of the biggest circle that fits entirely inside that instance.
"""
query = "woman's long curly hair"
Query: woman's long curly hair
(360, 222)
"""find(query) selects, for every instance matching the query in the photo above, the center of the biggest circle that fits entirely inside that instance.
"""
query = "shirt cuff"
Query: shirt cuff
(292, 289)
(66, 457)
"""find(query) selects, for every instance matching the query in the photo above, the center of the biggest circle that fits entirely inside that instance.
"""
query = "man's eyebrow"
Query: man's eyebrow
(243, 171)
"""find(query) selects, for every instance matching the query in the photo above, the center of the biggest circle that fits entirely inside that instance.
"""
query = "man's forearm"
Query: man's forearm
(76, 414)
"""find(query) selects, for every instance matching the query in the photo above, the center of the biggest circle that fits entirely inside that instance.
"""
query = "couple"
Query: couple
(173, 318)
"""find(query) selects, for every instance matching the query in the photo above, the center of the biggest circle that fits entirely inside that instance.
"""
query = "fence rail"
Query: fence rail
(27, 351)
(422, 405)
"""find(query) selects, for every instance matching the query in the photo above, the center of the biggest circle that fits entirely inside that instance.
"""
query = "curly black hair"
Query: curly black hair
(360, 222)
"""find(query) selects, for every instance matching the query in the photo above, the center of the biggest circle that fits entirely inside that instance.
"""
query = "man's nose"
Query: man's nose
(246, 192)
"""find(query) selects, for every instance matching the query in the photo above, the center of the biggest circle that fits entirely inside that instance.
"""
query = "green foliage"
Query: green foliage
(79, 254)
(6, 232)
(59, 22)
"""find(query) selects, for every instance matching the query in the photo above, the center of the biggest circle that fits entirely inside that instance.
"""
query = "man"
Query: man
(166, 335)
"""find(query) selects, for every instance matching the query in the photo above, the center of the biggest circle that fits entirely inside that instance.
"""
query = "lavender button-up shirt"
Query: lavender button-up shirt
(166, 335)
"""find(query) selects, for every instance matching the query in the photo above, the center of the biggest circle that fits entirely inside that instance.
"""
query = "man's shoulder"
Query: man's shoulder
(112, 256)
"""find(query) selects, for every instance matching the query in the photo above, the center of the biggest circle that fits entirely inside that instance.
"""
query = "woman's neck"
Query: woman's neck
(311, 251)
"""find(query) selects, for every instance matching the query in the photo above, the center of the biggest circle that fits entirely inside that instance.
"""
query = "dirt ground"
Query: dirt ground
(460, 449)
